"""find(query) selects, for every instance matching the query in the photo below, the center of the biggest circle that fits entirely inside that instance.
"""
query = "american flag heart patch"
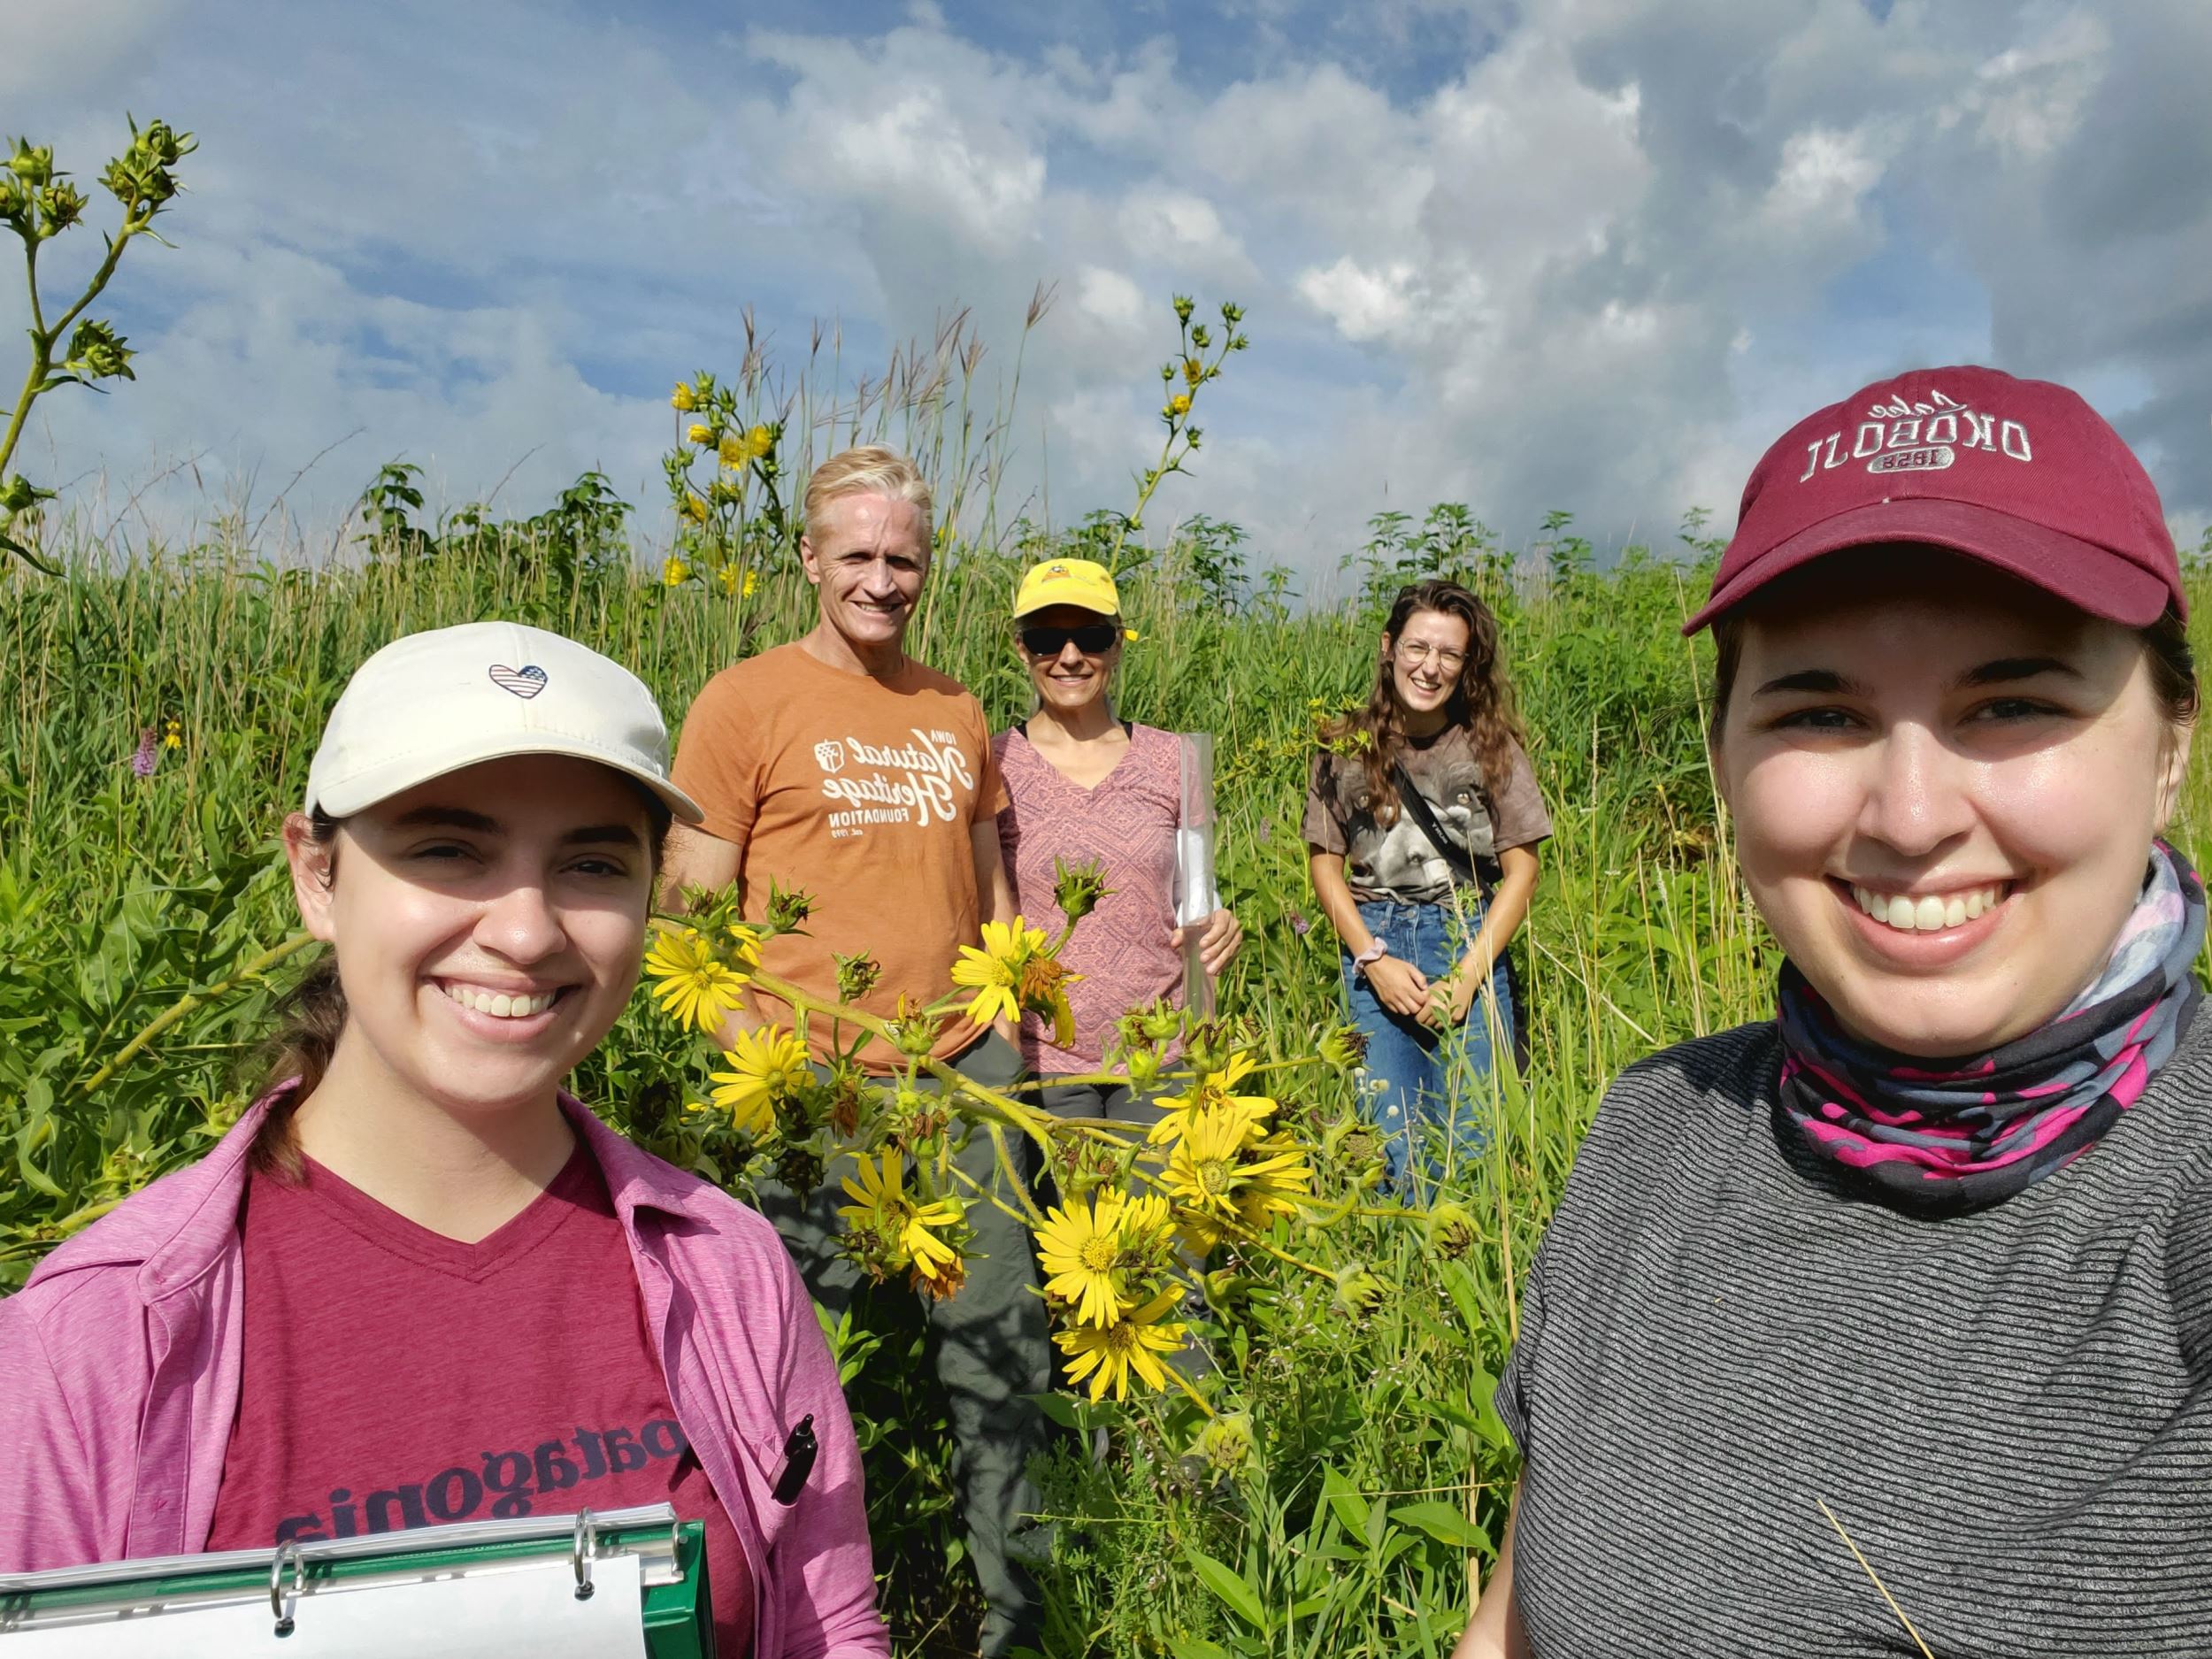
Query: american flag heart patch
(526, 682)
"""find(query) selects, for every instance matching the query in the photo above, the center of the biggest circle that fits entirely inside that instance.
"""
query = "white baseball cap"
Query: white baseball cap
(432, 702)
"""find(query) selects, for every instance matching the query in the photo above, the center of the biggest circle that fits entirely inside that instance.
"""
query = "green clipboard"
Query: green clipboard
(678, 1611)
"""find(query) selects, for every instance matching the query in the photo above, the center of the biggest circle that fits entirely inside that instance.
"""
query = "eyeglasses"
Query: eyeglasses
(1093, 639)
(1413, 653)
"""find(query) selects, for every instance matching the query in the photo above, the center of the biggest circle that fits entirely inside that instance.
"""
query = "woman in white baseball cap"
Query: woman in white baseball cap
(417, 1282)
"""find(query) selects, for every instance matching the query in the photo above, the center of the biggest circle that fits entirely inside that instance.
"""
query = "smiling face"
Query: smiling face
(1944, 784)
(1426, 658)
(488, 926)
(867, 564)
(1070, 678)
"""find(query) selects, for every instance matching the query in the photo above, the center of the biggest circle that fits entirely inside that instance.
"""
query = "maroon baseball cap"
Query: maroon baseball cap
(2020, 475)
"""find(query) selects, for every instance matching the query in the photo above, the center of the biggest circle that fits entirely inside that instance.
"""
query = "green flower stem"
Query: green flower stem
(1031, 1219)
(1191, 1394)
(185, 1004)
(1032, 1122)
(43, 338)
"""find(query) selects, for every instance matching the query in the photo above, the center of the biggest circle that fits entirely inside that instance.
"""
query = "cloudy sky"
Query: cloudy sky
(1578, 254)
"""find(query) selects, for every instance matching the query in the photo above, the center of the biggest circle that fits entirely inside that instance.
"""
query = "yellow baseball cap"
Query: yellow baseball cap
(1084, 583)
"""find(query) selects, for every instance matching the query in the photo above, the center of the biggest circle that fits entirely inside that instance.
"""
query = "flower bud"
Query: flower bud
(1208, 1048)
(1225, 1444)
(1077, 888)
(1358, 1292)
(856, 975)
(699, 432)
(1451, 1232)
(35, 165)
(1345, 1047)
(788, 909)
(681, 400)
(1162, 1022)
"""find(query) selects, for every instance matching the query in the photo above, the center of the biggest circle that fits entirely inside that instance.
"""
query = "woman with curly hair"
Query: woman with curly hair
(1421, 822)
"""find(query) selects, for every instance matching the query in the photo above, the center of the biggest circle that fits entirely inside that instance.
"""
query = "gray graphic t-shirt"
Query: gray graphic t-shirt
(1396, 860)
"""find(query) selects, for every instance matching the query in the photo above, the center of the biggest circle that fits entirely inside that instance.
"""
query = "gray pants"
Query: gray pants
(993, 1347)
(1118, 1102)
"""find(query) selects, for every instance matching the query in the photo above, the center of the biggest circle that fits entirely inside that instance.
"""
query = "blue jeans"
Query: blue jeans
(1411, 1084)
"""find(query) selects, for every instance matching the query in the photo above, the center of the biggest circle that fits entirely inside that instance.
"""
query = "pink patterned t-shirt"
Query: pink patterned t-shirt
(1127, 822)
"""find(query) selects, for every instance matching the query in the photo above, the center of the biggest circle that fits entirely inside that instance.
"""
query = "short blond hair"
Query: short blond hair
(868, 469)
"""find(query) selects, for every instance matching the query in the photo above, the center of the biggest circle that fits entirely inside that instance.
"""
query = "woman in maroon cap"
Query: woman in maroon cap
(1884, 1327)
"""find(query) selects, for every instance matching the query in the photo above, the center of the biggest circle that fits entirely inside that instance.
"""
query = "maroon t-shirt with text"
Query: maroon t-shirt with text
(396, 1377)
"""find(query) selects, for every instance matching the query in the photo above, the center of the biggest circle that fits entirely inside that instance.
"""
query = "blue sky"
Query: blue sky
(1583, 254)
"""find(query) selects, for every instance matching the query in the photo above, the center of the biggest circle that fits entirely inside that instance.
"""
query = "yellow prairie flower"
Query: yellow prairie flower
(937, 1265)
(765, 1065)
(1203, 1173)
(1275, 1175)
(994, 973)
(694, 983)
(908, 1230)
(1214, 1090)
(1180, 405)
(699, 432)
(1089, 1250)
(681, 400)
(880, 1195)
(1135, 1342)
(173, 735)
(674, 572)
(695, 509)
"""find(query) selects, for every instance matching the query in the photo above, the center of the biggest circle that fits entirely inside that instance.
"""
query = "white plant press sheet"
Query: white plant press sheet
(524, 1607)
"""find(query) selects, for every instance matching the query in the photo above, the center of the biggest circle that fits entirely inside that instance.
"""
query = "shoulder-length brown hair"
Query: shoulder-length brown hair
(1481, 701)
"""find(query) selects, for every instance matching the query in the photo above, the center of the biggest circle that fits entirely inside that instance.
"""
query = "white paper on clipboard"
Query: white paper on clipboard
(523, 1608)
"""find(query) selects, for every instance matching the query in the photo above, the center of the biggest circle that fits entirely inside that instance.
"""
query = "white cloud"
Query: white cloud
(1111, 298)
(71, 42)
(1595, 264)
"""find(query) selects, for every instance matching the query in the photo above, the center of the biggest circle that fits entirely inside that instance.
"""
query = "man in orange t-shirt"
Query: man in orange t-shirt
(839, 767)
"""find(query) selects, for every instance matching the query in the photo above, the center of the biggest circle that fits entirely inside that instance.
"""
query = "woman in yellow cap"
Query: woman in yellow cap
(1084, 784)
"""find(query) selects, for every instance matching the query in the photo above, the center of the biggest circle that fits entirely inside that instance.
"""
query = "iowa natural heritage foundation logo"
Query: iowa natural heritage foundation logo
(924, 780)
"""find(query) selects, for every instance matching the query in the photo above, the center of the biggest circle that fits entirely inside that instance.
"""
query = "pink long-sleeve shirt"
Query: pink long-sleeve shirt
(119, 1366)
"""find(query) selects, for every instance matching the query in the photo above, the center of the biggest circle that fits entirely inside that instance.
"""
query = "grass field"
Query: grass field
(1347, 1500)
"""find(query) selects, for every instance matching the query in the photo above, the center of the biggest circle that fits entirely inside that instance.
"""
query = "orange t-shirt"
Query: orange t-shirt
(864, 795)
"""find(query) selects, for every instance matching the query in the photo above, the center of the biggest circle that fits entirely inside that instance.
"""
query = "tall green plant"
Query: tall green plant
(38, 202)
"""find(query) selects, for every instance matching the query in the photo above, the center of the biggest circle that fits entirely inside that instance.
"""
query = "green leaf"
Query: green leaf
(1060, 1408)
(1443, 1522)
(9, 544)
(1238, 1596)
(1350, 1508)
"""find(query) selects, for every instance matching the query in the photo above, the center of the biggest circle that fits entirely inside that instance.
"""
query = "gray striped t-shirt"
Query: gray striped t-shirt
(2010, 1412)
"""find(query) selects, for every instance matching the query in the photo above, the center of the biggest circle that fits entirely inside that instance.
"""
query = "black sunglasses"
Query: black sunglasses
(1093, 639)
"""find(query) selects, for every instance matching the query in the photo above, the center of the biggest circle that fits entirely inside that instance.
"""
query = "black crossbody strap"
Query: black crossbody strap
(1450, 851)
(1463, 871)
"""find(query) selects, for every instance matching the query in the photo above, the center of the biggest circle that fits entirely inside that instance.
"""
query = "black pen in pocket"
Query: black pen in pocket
(798, 1461)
